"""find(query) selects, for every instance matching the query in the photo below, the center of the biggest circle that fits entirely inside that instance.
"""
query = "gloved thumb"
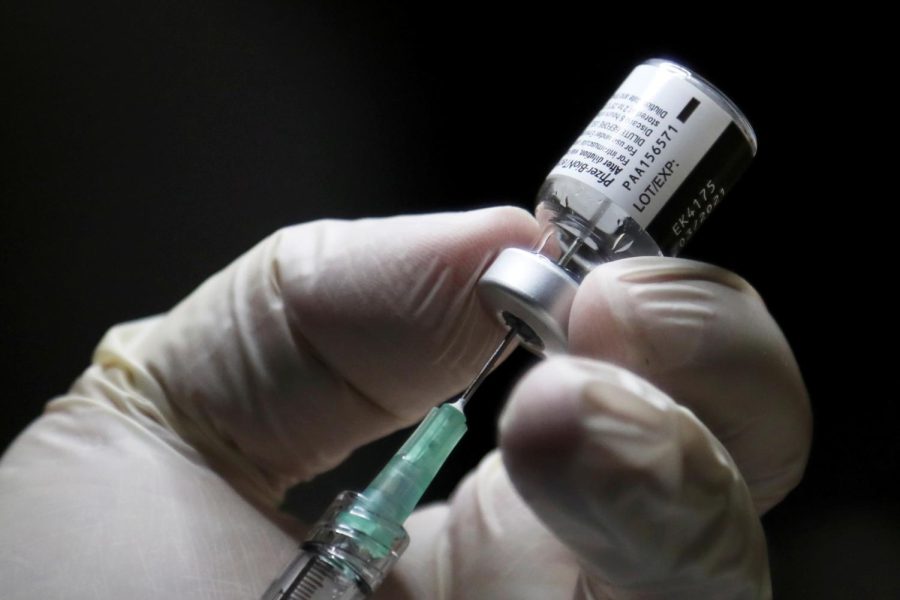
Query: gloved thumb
(646, 497)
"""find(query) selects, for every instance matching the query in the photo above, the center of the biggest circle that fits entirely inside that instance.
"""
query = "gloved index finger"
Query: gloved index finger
(325, 336)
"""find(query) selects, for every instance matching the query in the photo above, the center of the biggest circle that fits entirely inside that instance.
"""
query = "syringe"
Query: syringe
(640, 180)
(361, 536)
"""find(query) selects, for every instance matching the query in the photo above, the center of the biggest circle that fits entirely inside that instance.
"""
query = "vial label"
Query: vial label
(657, 133)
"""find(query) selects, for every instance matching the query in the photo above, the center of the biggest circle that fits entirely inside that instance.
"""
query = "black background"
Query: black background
(146, 145)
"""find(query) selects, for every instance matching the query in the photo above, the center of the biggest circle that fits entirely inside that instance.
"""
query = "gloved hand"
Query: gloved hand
(159, 473)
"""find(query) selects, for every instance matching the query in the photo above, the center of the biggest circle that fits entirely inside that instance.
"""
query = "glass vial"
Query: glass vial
(639, 181)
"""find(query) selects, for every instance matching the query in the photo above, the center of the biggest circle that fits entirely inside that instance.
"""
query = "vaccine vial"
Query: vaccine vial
(640, 180)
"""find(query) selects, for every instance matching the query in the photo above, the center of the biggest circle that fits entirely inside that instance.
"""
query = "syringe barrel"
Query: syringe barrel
(347, 555)
(310, 576)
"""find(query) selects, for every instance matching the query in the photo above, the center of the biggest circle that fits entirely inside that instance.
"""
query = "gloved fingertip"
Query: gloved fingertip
(473, 236)
(656, 314)
(567, 407)
(502, 218)
(542, 412)
(659, 269)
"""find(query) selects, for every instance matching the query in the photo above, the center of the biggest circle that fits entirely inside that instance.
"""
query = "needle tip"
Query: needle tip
(464, 398)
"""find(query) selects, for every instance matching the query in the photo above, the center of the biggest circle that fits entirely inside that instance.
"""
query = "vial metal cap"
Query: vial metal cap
(536, 293)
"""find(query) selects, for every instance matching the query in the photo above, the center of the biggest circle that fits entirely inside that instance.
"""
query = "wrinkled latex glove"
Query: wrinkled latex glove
(158, 475)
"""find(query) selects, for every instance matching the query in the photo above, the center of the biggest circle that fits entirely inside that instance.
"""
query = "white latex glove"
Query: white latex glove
(158, 474)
